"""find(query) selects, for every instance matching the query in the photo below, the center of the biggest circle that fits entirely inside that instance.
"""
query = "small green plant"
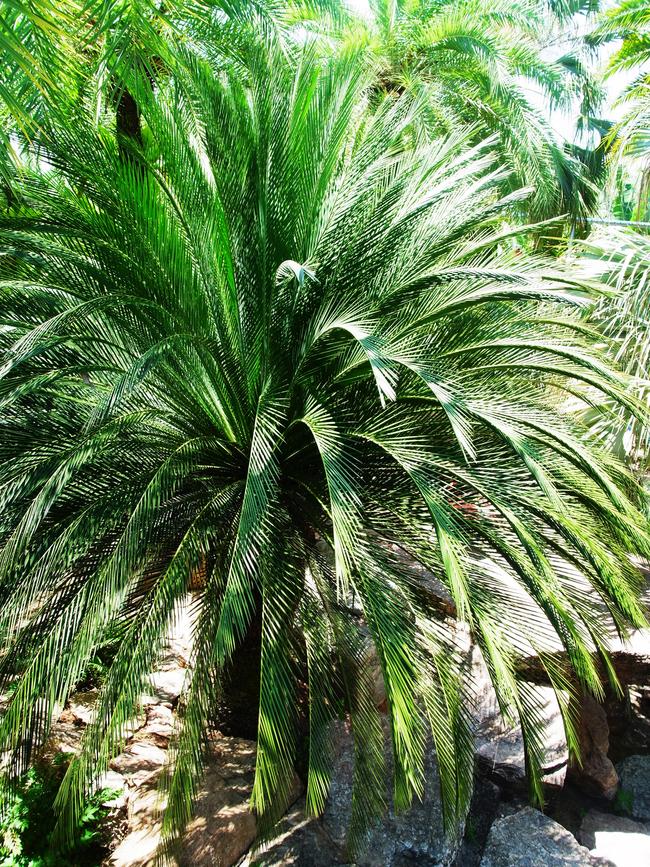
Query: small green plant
(28, 819)
(471, 834)
(623, 802)
(99, 664)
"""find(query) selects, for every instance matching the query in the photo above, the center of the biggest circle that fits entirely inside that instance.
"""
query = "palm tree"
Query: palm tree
(622, 258)
(623, 254)
(475, 63)
(629, 22)
(487, 64)
(59, 54)
(285, 343)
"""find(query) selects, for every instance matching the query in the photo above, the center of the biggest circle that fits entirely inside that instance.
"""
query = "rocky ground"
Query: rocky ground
(598, 814)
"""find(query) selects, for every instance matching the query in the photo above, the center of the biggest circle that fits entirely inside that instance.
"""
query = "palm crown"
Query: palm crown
(622, 257)
(482, 63)
(281, 339)
(629, 22)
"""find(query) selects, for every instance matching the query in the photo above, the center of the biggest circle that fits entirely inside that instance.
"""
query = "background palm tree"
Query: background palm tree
(621, 256)
(58, 56)
(629, 139)
(494, 66)
(622, 253)
(474, 64)
(286, 339)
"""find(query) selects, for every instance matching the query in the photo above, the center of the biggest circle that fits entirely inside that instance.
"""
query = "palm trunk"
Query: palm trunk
(238, 709)
(129, 130)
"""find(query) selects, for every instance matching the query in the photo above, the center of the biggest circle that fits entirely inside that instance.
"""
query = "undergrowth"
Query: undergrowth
(28, 819)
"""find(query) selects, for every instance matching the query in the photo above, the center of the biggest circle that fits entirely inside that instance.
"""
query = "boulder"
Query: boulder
(166, 686)
(219, 836)
(485, 705)
(373, 668)
(530, 839)
(116, 783)
(630, 660)
(140, 845)
(500, 747)
(486, 805)
(137, 757)
(178, 648)
(622, 841)
(499, 743)
(110, 780)
(146, 803)
(223, 827)
(81, 706)
(414, 837)
(300, 842)
(634, 774)
(596, 774)
(139, 849)
(65, 736)
(629, 722)
(158, 725)
(144, 778)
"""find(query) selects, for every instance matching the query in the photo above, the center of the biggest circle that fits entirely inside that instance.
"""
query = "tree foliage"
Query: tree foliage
(493, 65)
(622, 258)
(629, 22)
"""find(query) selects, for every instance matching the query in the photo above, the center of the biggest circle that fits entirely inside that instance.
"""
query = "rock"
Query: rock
(414, 837)
(167, 685)
(630, 660)
(140, 849)
(300, 842)
(622, 841)
(110, 780)
(223, 827)
(373, 667)
(5, 697)
(438, 595)
(117, 783)
(219, 839)
(499, 744)
(65, 737)
(485, 705)
(81, 706)
(596, 775)
(629, 723)
(177, 651)
(144, 778)
(530, 839)
(634, 774)
(144, 806)
(117, 801)
(158, 725)
(159, 719)
(67, 732)
(486, 802)
(500, 748)
(139, 756)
